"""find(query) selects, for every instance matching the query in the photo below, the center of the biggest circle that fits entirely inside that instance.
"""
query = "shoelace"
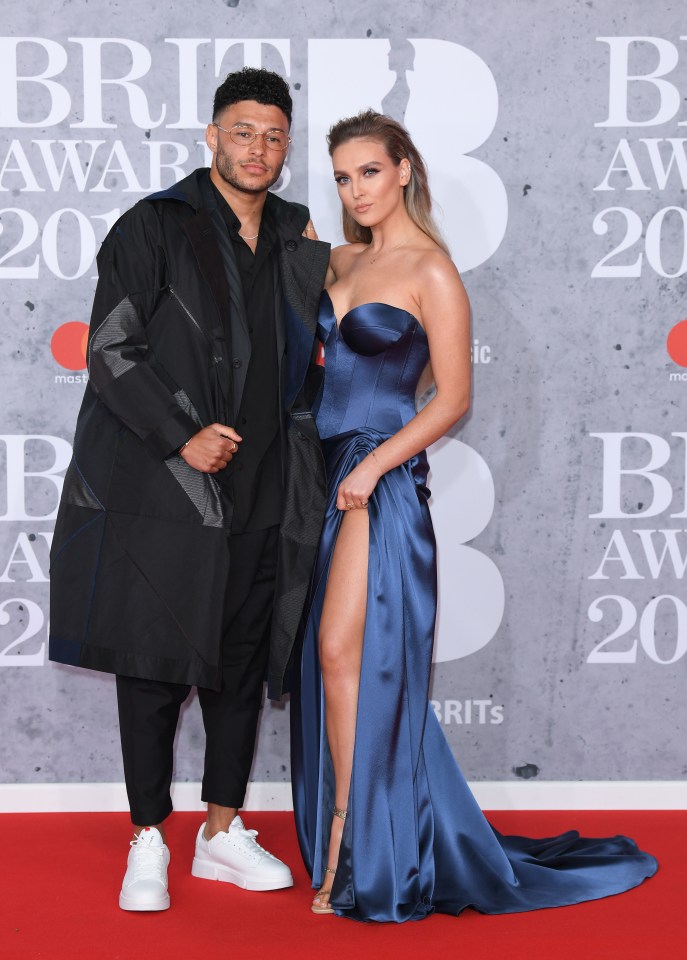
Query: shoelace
(250, 836)
(147, 861)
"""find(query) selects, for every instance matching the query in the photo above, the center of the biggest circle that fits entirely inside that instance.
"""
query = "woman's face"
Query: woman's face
(370, 184)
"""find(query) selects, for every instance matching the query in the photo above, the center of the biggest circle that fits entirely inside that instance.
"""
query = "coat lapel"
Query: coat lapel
(201, 233)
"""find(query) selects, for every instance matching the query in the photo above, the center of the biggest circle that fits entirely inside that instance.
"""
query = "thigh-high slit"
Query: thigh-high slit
(415, 839)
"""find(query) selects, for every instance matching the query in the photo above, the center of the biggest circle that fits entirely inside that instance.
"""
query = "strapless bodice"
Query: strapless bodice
(373, 361)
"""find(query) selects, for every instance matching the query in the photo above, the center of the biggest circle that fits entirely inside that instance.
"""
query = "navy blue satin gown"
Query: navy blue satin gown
(415, 840)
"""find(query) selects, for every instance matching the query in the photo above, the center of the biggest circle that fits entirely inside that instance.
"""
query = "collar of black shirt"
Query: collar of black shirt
(267, 231)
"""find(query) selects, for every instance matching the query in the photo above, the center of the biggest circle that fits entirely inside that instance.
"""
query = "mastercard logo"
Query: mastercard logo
(677, 343)
(69, 343)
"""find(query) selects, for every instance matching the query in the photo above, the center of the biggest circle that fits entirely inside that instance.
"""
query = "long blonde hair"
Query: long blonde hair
(370, 125)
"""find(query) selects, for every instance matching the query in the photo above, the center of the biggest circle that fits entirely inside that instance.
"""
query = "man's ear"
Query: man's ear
(211, 134)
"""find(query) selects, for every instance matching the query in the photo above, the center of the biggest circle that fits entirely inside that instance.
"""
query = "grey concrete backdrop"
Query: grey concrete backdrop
(571, 355)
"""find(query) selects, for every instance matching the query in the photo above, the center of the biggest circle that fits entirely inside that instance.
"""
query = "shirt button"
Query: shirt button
(236, 363)
(243, 419)
(291, 245)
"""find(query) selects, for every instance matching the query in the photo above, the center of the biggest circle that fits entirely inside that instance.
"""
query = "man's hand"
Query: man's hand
(211, 449)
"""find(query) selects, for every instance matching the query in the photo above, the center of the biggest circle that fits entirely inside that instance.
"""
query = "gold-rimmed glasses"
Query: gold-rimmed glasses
(243, 135)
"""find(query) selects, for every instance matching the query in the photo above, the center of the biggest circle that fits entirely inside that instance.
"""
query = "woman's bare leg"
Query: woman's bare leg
(342, 626)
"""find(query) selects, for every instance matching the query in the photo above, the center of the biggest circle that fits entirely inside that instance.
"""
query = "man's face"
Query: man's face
(251, 167)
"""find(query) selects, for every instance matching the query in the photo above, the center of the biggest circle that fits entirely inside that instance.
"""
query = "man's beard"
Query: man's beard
(231, 174)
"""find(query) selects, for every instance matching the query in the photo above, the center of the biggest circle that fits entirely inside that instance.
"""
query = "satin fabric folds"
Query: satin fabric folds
(414, 840)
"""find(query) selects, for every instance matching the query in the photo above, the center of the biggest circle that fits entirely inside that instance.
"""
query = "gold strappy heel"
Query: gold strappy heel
(320, 904)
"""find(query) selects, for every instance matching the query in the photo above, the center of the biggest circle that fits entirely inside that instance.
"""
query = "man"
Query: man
(192, 506)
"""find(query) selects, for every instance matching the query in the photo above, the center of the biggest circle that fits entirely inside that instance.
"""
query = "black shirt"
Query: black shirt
(254, 477)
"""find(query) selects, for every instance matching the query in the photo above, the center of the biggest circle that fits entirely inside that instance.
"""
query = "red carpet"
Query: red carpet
(62, 872)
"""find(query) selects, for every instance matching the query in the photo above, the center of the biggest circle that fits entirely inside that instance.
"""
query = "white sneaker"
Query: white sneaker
(236, 857)
(145, 881)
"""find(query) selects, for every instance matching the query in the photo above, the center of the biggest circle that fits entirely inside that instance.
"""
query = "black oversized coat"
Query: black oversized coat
(140, 561)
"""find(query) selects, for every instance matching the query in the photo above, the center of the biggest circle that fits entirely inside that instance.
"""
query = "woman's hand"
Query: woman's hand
(310, 232)
(356, 489)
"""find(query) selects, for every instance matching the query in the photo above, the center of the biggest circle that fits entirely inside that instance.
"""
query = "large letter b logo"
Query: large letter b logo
(447, 98)
(471, 592)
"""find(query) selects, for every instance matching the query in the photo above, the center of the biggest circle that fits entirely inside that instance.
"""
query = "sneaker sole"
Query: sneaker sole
(126, 904)
(207, 870)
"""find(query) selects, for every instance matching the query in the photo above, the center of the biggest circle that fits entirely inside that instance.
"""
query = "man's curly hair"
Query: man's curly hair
(263, 86)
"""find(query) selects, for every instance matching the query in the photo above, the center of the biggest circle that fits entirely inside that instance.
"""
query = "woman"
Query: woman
(387, 825)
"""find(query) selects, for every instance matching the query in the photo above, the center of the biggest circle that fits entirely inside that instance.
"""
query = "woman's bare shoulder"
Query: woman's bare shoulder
(436, 268)
(342, 257)
(347, 251)
(437, 283)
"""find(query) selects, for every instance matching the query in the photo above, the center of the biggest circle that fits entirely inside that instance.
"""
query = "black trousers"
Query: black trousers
(149, 709)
